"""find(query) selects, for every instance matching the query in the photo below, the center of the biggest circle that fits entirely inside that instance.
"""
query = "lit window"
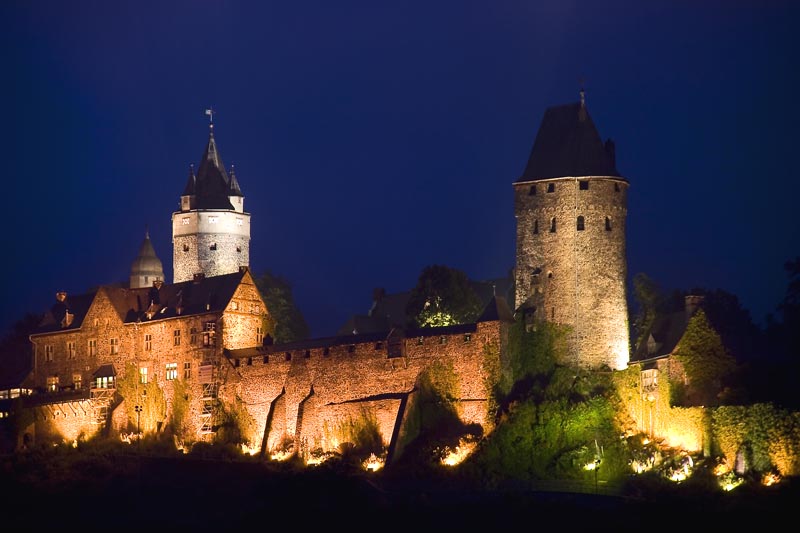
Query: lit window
(48, 352)
(114, 346)
(143, 375)
(176, 337)
(234, 305)
(52, 383)
(467, 337)
(213, 220)
(148, 342)
(581, 223)
(208, 334)
(171, 371)
(185, 221)
(105, 382)
(187, 370)
(77, 379)
(442, 339)
(71, 350)
(92, 347)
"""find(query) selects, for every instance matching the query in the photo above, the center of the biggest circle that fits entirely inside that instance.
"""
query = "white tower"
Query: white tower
(211, 232)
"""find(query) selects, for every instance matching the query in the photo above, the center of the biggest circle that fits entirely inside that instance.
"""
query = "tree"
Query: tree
(287, 322)
(649, 300)
(443, 296)
(707, 364)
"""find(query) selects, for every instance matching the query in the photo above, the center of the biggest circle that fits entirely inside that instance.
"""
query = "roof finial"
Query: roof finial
(210, 113)
(146, 232)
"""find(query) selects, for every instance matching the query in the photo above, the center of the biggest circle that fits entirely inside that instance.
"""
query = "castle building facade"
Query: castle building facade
(570, 206)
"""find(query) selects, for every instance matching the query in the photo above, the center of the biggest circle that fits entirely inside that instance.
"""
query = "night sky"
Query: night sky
(372, 139)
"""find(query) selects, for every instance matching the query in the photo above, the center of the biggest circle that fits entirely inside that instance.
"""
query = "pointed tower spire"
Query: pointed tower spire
(147, 267)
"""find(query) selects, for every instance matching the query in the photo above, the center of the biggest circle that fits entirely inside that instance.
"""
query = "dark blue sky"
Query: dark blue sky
(372, 139)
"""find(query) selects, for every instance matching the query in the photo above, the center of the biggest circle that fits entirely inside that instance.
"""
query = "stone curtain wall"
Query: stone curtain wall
(354, 379)
(582, 275)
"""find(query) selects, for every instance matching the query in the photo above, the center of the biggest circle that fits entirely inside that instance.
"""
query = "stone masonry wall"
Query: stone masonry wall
(311, 391)
(194, 236)
(581, 282)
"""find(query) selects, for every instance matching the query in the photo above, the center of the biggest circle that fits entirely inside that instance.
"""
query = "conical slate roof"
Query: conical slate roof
(211, 185)
(568, 144)
(147, 262)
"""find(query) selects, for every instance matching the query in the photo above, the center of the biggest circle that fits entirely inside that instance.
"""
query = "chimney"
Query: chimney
(692, 303)
(61, 296)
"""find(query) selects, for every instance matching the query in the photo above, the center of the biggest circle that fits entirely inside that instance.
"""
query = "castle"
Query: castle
(155, 355)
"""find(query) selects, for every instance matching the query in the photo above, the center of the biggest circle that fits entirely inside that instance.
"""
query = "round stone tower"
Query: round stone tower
(147, 267)
(570, 205)
(211, 232)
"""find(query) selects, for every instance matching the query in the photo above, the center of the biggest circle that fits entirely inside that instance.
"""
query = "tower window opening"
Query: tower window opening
(213, 246)
(185, 247)
(535, 227)
(326, 352)
(239, 249)
(532, 191)
(549, 275)
(307, 354)
(553, 313)
(581, 223)
(583, 185)
(608, 223)
(288, 356)
(551, 187)
(616, 187)
(553, 225)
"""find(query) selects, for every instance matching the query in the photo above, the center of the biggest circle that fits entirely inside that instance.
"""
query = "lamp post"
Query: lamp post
(138, 409)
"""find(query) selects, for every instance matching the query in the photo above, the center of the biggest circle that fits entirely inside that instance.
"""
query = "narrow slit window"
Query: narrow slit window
(608, 223)
(535, 227)
(551, 187)
(553, 225)
(532, 191)
(581, 223)
(616, 187)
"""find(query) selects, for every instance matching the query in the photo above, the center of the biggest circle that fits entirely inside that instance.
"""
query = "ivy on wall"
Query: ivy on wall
(148, 396)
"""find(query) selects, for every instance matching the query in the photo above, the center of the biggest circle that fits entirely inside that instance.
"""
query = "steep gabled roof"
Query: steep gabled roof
(496, 309)
(663, 336)
(74, 306)
(206, 295)
(568, 144)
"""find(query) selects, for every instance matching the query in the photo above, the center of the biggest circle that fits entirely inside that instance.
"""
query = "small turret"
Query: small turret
(147, 267)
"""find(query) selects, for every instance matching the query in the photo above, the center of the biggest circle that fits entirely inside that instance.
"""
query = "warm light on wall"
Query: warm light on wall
(454, 456)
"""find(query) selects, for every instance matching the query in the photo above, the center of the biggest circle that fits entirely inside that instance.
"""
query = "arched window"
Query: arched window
(536, 226)
(581, 224)
(608, 224)
(553, 225)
